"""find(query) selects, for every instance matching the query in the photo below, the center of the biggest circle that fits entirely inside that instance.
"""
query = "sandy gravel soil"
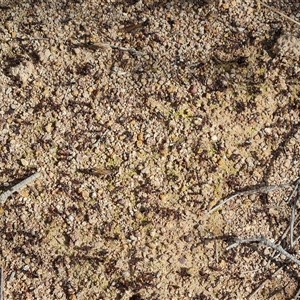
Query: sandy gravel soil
(140, 117)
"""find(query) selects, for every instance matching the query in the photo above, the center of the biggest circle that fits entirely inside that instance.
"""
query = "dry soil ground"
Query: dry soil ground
(141, 116)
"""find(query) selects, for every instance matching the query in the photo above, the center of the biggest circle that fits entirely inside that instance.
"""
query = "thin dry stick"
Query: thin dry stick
(268, 264)
(279, 241)
(264, 241)
(19, 186)
(279, 12)
(294, 191)
(258, 190)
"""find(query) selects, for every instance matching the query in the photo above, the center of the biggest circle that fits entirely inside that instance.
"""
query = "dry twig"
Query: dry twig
(260, 287)
(255, 190)
(264, 241)
(19, 186)
(293, 197)
(279, 12)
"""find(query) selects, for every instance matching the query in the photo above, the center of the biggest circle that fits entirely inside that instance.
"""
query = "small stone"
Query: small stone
(139, 144)
(46, 92)
(214, 138)
(24, 193)
(27, 260)
(26, 268)
(23, 71)
(268, 130)
(193, 89)
(172, 123)
(126, 274)
(49, 127)
(152, 234)
(24, 162)
(163, 197)
(75, 93)
(140, 137)
(84, 194)
(44, 55)
(250, 162)
(210, 245)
